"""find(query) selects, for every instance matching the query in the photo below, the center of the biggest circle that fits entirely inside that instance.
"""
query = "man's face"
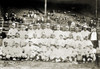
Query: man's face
(77, 38)
(58, 27)
(30, 27)
(85, 29)
(86, 38)
(34, 27)
(53, 36)
(6, 44)
(77, 30)
(34, 35)
(67, 29)
(43, 36)
(48, 26)
(30, 43)
(13, 36)
(16, 44)
(8, 36)
(38, 27)
(61, 36)
(17, 35)
(26, 36)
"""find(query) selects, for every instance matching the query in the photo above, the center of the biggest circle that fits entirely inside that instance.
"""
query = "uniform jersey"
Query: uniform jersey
(22, 34)
(17, 41)
(35, 41)
(30, 33)
(85, 33)
(58, 33)
(11, 42)
(48, 32)
(39, 33)
(44, 41)
(61, 42)
(5, 50)
(26, 41)
(12, 31)
(77, 34)
(23, 42)
(11, 51)
(52, 41)
(70, 42)
(87, 43)
(78, 44)
(5, 40)
(17, 51)
(66, 34)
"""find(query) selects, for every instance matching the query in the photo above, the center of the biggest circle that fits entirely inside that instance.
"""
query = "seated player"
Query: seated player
(84, 57)
(7, 39)
(87, 42)
(26, 51)
(52, 40)
(12, 41)
(79, 58)
(92, 56)
(70, 41)
(44, 45)
(52, 46)
(48, 53)
(17, 52)
(5, 51)
(26, 39)
(61, 41)
(29, 51)
(57, 55)
(44, 40)
(78, 42)
(17, 39)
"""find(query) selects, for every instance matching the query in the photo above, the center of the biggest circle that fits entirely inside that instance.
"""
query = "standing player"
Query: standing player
(12, 30)
(31, 31)
(22, 32)
(48, 30)
(67, 32)
(39, 31)
(58, 32)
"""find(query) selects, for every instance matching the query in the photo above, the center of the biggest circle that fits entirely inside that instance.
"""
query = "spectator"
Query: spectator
(93, 37)
(2, 36)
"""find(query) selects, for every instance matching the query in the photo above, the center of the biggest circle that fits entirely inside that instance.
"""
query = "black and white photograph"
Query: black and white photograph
(49, 34)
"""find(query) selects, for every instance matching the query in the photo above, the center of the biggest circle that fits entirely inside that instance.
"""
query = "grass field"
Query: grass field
(44, 65)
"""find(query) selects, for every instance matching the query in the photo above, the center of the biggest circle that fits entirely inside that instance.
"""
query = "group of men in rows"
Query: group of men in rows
(48, 45)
